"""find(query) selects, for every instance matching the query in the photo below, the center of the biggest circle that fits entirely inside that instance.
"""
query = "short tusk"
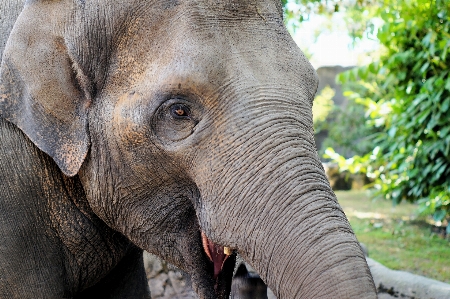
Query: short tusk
(227, 250)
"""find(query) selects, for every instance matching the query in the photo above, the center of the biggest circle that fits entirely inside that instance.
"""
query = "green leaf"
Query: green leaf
(439, 82)
(437, 97)
(447, 84)
(445, 105)
(441, 170)
(445, 131)
(363, 72)
(439, 215)
(353, 74)
(427, 39)
(425, 66)
(343, 77)
(423, 116)
(392, 132)
(419, 99)
(374, 67)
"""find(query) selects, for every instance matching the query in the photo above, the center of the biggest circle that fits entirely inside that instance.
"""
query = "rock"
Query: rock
(153, 265)
(327, 77)
(178, 281)
(270, 294)
(158, 285)
(364, 249)
(400, 284)
(344, 180)
(338, 180)
(167, 281)
(169, 292)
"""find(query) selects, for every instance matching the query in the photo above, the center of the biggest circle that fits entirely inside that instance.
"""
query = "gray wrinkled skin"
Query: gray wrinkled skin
(131, 125)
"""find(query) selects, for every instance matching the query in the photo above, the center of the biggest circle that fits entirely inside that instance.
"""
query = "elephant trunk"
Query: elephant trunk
(302, 244)
(312, 252)
(283, 217)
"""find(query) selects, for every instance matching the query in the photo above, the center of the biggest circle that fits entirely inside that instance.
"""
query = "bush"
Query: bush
(406, 96)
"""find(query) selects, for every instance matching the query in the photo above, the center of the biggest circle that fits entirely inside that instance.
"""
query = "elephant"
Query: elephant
(179, 127)
(246, 285)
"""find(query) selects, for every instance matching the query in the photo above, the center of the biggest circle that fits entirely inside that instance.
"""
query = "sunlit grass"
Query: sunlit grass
(396, 237)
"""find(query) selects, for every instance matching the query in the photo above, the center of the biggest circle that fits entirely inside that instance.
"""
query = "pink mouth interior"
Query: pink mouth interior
(215, 254)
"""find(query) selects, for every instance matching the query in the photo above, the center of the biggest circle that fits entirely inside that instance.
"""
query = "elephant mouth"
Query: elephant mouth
(223, 259)
(216, 254)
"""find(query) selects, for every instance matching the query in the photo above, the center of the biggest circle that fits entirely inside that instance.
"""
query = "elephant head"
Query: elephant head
(189, 125)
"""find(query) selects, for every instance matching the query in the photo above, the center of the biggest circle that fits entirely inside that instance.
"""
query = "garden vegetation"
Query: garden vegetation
(405, 95)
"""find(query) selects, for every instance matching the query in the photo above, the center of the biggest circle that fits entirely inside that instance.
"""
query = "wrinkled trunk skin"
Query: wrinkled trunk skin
(297, 236)
(318, 255)
(301, 244)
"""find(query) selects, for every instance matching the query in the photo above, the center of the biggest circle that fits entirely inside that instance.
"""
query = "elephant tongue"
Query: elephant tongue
(215, 253)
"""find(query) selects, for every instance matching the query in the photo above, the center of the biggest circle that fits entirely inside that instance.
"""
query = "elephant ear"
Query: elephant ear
(42, 89)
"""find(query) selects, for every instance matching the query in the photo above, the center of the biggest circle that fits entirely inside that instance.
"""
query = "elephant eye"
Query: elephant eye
(175, 119)
(180, 111)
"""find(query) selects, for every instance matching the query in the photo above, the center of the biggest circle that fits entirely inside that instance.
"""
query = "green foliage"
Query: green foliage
(322, 106)
(407, 97)
(347, 129)
(351, 132)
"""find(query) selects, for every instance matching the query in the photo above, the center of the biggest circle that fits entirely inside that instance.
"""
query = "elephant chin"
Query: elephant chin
(222, 263)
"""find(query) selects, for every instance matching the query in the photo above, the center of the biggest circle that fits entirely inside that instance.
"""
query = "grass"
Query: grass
(396, 237)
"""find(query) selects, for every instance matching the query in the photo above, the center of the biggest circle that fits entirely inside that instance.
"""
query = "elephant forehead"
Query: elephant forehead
(192, 29)
(209, 43)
